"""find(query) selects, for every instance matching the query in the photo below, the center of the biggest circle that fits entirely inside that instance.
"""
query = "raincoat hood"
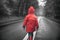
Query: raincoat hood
(31, 10)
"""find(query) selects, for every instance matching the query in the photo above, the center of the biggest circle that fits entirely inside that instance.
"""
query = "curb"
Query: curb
(10, 22)
(57, 21)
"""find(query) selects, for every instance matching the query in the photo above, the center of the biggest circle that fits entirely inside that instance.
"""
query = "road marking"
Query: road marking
(34, 33)
(26, 37)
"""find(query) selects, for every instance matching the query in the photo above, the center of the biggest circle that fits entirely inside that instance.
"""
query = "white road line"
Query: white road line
(34, 33)
(26, 37)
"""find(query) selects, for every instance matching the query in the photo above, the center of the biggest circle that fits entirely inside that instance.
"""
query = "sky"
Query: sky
(41, 2)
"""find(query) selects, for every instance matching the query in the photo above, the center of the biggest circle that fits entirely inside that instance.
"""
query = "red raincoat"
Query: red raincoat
(30, 21)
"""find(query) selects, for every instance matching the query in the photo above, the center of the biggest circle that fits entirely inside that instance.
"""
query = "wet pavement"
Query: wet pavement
(48, 30)
(13, 32)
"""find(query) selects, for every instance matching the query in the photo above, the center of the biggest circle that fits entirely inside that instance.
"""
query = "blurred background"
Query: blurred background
(19, 7)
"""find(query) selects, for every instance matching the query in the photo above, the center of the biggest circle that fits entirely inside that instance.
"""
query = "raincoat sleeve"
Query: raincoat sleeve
(36, 24)
(25, 21)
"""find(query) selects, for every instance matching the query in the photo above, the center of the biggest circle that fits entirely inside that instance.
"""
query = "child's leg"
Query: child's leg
(30, 35)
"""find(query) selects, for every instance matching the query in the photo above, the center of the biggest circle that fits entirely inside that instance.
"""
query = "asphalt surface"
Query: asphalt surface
(48, 30)
(13, 31)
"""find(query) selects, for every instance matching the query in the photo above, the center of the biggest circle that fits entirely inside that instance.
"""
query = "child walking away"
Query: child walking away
(30, 22)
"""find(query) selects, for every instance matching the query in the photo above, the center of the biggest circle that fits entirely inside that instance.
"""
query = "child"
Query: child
(30, 22)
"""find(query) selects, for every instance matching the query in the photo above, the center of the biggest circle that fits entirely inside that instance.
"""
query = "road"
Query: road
(13, 32)
(48, 30)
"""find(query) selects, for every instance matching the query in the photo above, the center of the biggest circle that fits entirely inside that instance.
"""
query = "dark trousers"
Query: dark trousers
(30, 35)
